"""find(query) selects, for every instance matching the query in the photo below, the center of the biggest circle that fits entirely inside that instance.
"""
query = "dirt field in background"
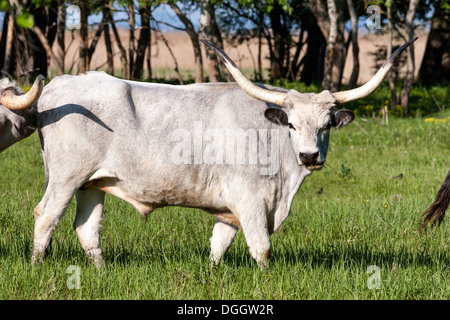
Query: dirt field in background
(245, 56)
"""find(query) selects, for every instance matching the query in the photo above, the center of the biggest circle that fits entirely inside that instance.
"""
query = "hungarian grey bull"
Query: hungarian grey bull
(156, 145)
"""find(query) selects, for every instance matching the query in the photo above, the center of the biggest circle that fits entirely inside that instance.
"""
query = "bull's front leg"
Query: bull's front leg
(87, 223)
(255, 227)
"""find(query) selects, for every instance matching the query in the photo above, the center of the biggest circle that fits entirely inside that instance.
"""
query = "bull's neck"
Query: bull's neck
(292, 175)
(292, 172)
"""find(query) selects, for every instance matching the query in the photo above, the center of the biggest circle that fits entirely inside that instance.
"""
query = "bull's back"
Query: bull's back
(121, 106)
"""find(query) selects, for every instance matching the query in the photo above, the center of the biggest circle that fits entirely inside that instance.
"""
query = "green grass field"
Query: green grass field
(363, 217)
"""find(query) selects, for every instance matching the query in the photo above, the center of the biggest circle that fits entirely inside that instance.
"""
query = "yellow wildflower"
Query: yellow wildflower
(438, 121)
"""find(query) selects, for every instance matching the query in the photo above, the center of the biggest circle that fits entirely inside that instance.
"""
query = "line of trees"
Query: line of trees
(307, 40)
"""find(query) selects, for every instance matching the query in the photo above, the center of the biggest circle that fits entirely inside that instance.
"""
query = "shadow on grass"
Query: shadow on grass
(359, 255)
(283, 254)
(327, 257)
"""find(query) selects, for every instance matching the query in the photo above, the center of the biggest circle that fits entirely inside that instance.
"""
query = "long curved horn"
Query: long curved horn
(247, 85)
(374, 82)
(20, 102)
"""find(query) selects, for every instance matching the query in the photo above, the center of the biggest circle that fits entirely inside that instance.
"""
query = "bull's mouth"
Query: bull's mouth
(24, 129)
(314, 167)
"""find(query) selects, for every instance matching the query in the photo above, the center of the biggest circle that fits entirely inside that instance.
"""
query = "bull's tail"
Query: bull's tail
(436, 211)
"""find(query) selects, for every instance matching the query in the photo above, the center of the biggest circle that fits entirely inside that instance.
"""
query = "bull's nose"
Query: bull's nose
(309, 158)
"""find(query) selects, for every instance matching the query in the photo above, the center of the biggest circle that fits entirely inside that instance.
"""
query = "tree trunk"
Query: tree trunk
(143, 43)
(295, 66)
(329, 52)
(123, 54)
(340, 49)
(355, 48)
(7, 63)
(109, 53)
(391, 75)
(149, 51)
(131, 48)
(278, 53)
(287, 40)
(41, 39)
(410, 60)
(313, 61)
(217, 38)
(60, 53)
(83, 64)
(180, 78)
(4, 39)
(329, 18)
(436, 61)
(320, 12)
(95, 40)
(48, 51)
(206, 32)
(259, 76)
(198, 69)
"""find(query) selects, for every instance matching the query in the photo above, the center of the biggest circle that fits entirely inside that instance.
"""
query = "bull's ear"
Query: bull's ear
(341, 118)
(277, 115)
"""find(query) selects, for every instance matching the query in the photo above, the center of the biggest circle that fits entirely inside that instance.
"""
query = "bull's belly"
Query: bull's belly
(147, 201)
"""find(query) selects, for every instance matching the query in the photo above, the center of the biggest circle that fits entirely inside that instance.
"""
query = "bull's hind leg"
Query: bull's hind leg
(47, 215)
(87, 223)
(221, 239)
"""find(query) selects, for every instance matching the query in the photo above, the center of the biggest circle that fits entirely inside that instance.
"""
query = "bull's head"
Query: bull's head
(17, 121)
(309, 116)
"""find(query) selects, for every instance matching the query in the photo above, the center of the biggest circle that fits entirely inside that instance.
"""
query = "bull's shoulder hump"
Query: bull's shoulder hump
(206, 88)
(90, 80)
(78, 89)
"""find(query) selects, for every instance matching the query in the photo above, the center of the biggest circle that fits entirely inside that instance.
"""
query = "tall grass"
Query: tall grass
(360, 211)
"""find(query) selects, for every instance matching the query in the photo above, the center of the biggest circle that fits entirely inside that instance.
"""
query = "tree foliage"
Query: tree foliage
(304, 42)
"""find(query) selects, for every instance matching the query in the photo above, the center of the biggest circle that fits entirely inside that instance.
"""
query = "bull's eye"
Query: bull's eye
(291, 126)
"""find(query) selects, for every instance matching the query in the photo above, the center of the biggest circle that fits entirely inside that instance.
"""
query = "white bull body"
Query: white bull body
(114, 136)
